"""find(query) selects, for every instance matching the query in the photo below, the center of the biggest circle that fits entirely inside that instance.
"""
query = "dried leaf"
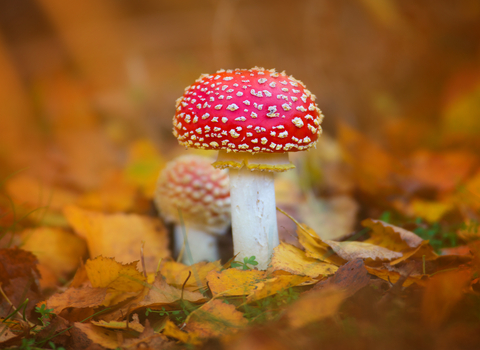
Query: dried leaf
(390, 236)
(233, 282)
(135, 325)
(215, 319)
(289, 258)
(121, 235)
(177, 273)
(83, 297)
(121, 281)
(160, 294)
(393, 276)
(171, 330)
(56, 249)
(277, 284)
(353, 250)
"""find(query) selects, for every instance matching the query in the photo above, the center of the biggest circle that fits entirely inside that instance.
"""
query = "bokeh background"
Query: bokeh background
(87, 91)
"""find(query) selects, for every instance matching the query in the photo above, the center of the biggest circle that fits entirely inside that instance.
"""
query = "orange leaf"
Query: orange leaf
(233, 282)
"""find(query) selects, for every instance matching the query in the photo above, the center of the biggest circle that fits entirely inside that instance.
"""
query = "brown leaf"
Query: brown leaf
(98, 335)
(160, 294)
(314, 307)
(349, 278)
(83, 297)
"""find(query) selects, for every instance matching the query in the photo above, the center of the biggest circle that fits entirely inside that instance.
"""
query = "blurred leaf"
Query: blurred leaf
(120, 235)
(233, 282)
(177, 273)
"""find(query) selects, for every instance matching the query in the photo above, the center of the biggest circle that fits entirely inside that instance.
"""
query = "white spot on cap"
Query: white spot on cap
(228, 78)
(264, 140)
(241, 119)
(286, 107)
(195, 119)
(267, 93)
(272, 112)
(233, 107)
(253, 115)
(217, 129)
(224, 119)
(234, 134)
(306, 139)
(247, 102)
(239, 93)
(272, 84)
(243, 146)
(205, 116)
(254, 140)
(298, 122)
(249, 134)
(283, 134)
(217, 107)
(215, 120)
(199, 130)
(262, 80)
(273, 145)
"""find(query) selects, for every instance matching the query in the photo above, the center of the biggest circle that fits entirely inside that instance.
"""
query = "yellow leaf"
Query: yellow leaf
(233, 282)
(289, 258)
(121, 281)
(431, 211)
(176, 273)
(160, 294)
(121, 235)
(56, 249)
(171, 330)
(135, 325)
(315, 306)
(277, 284)
(393, 276)
(80, 298)
(215, 319)
(390, 236)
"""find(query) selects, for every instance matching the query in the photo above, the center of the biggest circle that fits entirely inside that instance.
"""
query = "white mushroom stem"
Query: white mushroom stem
(254, 216)
(199, 246)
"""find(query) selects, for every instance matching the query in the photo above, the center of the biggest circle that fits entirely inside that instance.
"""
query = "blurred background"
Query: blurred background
(88, 88)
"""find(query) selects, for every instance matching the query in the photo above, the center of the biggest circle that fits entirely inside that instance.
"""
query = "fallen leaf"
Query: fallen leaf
(160, 294)
(431, 211)
(289, 258)
(171, 330)
(392, 276)
(177, 273)
(122, 325)
(277, 284)
(121, 281)
(233, 282)
(57, 249)
(83, 297)
(314, 307)
(315, 247)
(121, 235)
(214, 319)
(353, 250)
(391, 237)
(349, 278)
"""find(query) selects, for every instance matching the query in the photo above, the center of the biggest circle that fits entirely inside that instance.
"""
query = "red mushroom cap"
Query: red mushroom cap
(248, 110)
(201, 192)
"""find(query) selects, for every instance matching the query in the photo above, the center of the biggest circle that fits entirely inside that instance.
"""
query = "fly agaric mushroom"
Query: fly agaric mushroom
(190, 185)
(253, 118)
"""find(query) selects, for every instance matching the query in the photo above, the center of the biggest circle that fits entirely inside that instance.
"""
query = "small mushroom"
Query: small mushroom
(191, 186)
(254, 118)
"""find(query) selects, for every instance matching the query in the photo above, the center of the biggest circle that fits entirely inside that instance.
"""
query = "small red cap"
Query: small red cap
(247, 110)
